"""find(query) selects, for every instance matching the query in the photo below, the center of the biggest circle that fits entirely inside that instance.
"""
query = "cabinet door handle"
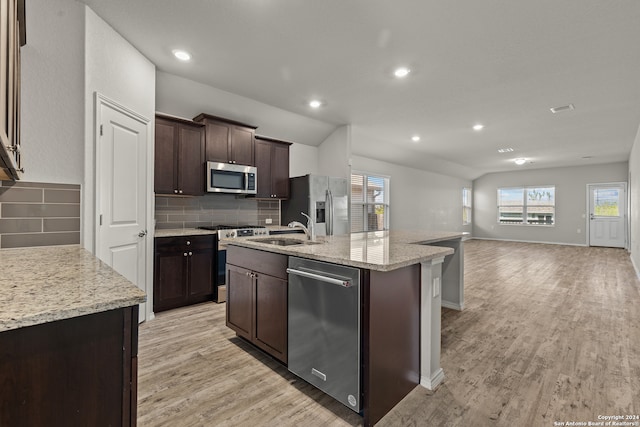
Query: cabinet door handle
(175, 191)
(190, 253)
(180, 191)
(184, 254)
(188, 242)
(247, 274)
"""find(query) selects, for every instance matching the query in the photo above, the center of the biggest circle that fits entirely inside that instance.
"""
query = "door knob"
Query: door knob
(142, 233)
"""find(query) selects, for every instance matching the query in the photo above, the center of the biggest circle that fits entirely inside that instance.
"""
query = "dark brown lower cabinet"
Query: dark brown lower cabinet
(74, 372)
(184, 271)
(390, 322)
(257, 298)
(391, 338)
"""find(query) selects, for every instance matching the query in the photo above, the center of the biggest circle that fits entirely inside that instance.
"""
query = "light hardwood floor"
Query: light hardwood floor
(549, 334)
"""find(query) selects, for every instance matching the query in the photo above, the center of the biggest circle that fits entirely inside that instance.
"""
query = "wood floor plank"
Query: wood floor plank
(549, 333)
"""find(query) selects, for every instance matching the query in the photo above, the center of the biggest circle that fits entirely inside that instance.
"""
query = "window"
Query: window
(605, 202)
(527, 205)
(466, 206)
(369, 202)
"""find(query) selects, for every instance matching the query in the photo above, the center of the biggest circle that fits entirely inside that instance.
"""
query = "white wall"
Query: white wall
(52, 104)
(571, 201)
(303, 159)
(186, 98)
(634, 205)
(115, 69)
(419, 199)
(334, 153)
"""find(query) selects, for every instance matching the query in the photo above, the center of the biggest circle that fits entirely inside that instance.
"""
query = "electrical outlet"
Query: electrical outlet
(436, 286)
(579, 231)
(268, 221)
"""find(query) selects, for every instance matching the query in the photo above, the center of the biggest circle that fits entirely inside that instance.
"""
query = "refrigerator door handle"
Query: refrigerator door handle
(329, 207)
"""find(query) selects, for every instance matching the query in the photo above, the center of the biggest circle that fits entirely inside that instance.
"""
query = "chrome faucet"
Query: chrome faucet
(309, 230)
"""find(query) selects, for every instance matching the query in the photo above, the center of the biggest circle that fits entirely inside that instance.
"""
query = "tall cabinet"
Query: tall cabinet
(272, 161)
(179, 165)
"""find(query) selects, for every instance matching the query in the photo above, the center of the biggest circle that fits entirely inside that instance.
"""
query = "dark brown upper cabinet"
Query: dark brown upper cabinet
(227, 141)
(179, 164)
(272, 162)
(12, 36)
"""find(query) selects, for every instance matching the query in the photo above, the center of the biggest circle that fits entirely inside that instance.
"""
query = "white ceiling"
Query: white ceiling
(502, 63)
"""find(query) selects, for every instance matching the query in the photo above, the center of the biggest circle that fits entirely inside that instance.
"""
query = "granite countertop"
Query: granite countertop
(380, 250)
(178, 232)
(45, 284)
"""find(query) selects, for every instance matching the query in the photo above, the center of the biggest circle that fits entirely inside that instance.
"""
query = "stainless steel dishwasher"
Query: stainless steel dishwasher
(324, 328)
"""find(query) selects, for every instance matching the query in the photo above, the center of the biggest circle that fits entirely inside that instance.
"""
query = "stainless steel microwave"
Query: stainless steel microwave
(228, 178)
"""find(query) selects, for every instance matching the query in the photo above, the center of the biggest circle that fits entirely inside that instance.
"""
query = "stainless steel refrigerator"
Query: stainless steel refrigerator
(324, 198)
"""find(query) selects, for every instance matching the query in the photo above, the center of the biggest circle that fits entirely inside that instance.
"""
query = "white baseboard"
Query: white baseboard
(635, 267)
(531, 241)
(434, 381)
(452, 305)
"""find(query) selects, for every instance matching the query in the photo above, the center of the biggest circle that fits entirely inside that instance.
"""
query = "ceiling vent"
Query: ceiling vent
(563, 108)
(505, 150)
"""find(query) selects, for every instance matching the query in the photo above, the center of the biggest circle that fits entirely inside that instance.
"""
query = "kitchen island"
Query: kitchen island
(68, 339)
(402, 285)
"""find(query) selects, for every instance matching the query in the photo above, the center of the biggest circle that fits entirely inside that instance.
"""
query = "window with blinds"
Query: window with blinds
(369, 202)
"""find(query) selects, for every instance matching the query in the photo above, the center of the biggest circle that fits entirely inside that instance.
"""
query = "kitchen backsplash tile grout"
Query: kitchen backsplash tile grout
(39, 214)
(214, 209)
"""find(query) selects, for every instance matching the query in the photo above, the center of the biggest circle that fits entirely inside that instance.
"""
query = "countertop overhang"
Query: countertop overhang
(45, 284)
(379, 250)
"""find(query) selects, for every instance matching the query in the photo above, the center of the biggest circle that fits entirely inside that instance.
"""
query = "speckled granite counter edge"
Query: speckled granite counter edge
(47, 317)
(180, 232)
(436, 252)
(46, 284)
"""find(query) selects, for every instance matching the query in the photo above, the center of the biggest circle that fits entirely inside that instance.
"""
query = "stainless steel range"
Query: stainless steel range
(231, 232)
(228, 233)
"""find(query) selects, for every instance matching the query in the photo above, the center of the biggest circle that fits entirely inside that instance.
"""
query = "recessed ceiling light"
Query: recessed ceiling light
(478, 127)
(505, 150)
(563, 108)
(415, 138)
(182, 55)
(401, 72)
(315, 103)
(520, 161)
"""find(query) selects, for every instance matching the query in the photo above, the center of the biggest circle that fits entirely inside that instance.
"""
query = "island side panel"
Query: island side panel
(76, 371)
(391, 338)
(453, 274)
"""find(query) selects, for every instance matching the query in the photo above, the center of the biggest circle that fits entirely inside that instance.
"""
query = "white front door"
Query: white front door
(121, 183)
(607, 215)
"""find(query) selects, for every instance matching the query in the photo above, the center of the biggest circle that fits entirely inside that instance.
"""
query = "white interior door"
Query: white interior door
(121, 183)
(607, 215)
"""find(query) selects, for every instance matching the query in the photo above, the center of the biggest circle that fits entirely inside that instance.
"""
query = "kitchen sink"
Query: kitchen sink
(283, 242)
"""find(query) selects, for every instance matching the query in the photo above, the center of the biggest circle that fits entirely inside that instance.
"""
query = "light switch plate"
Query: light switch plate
(268, 221)
(436, 286)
